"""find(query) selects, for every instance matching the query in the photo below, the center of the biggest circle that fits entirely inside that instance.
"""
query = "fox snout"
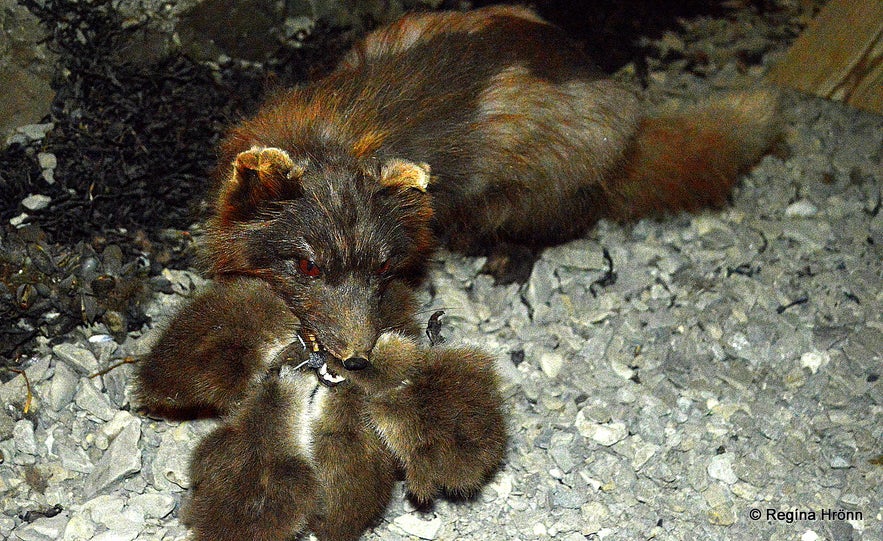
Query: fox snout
(345, 325)
(356, 336)
(350, 343)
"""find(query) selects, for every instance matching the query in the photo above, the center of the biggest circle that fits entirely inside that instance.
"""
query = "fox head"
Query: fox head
(339, 239)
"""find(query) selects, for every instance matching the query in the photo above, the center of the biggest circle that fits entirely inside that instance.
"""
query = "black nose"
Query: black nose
(355, 363)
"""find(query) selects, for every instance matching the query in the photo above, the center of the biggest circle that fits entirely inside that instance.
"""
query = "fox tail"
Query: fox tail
(689, 159)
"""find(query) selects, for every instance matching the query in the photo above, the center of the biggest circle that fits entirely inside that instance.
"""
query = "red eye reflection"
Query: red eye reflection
(308, 268)
(383, 269)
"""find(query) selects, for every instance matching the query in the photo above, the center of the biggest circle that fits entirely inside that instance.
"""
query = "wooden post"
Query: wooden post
(839, 56)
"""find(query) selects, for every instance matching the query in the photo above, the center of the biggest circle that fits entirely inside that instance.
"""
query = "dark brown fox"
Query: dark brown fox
(477, 130)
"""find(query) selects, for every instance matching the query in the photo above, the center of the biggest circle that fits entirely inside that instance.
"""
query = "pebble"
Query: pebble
(82, 360)
(92, 400)
(722, 515)
(502, 486)
(153, 505)
(720, 467)
(171, 464)
(801, 209)
(605, 434)
(23, 434)
(114, 535)
(121, 459)
(418, 527)
(594, 515)
(18, 220)
(562, 497)
(36, 202)
(63, 387)
(540, 285)
(78, 528)
(30, 132)
(44, 529)
(47, 160)
(643, 453)
(815, 360)
(74, 458)
(551, 363)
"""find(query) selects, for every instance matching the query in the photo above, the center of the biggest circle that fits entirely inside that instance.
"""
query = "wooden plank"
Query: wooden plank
(839, 55)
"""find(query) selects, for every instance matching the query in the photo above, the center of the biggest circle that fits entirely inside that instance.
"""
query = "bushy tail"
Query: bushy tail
(691, 158)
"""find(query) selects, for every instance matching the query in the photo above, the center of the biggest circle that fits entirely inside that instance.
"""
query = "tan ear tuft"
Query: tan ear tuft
(405, 174)
(270, 166)
(260, 175)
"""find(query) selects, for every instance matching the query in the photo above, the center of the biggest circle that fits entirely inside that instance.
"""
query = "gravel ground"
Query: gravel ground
(732, 366)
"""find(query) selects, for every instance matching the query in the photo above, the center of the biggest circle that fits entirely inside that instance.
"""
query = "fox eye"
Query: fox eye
(309, 268)
(384, 267)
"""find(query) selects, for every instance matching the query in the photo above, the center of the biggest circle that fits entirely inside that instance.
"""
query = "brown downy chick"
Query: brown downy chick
(355, 469)
(213, 348)
(252, 479)
(439, 411)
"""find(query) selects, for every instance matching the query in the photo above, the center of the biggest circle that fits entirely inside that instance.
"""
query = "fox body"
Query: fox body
(475, 130)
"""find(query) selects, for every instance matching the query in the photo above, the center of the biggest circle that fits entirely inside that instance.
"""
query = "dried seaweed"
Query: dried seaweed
(134, 142)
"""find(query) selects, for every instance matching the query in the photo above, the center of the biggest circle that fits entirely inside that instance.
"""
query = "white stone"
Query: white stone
(644, 451)
(720, 467)
(605, 434)
(416, 526)
(78, 529)
(94, 401)
(153, 505)
(502, 486)
(80, 359)
(63, 386)
(815, 360)
(36, 201)
(43, 528)
(16, 221)
(23, 434)
(121, 459)
(801, 209)
(121, 420)
(114, 535)
(551, 362)
(34, 132)
(47, 160)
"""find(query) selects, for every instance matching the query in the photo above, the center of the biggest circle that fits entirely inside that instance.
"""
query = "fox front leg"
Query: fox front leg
(439, 411)
(251, 477)
(213, 349)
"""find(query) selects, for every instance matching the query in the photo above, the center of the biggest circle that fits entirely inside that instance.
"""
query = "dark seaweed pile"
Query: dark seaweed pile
(134, 143)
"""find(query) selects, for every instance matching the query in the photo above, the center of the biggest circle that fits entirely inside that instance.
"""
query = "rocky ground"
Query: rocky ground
(716, 366)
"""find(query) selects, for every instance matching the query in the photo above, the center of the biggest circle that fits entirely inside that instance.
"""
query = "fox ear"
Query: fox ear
(405, 174)
(260, 174)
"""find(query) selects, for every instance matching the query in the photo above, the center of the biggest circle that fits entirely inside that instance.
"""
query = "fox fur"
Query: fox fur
(474, 130)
